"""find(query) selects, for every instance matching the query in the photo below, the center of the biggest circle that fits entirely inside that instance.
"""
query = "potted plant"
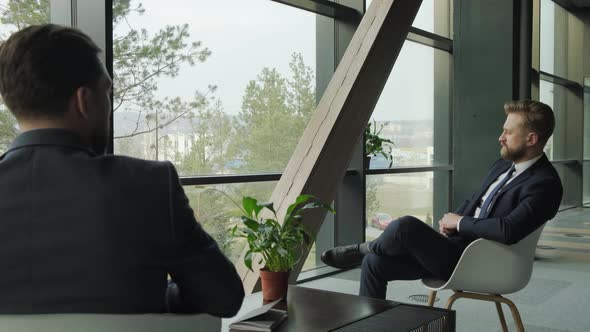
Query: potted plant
(278, 245)
(375, 145)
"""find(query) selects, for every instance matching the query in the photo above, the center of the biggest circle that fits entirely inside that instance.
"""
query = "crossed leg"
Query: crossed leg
(408, 249)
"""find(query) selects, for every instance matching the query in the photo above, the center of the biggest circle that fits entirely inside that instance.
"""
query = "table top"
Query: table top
(319, 310)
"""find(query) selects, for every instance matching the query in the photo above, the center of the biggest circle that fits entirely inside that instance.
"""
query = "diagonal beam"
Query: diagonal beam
(320, 160)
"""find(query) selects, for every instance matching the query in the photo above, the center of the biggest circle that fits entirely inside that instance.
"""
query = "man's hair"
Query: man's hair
(538, 117)
(41, 67)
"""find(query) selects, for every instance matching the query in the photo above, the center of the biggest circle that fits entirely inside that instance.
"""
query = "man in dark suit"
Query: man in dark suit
(82, 231)
(520, 193)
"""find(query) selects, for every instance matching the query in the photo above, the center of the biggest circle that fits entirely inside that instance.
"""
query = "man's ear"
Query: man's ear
(81, 101)
(532, 138)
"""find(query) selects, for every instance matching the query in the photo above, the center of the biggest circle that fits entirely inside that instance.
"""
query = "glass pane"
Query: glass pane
(586, 184)
(416, 94)
(571, 184)
(14, 16)
(218, 214)
(587, 121)
(215, 91)
(555, 96)
(433, 16)
(554, 36)
(393, 196)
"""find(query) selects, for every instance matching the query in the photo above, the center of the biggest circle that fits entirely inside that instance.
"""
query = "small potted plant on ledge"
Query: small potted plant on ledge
(278, 245)
(375, 145)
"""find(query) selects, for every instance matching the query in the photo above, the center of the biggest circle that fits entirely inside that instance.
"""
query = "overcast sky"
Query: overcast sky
(247, 35)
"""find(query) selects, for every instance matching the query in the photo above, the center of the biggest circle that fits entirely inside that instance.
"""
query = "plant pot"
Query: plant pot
(274, 284)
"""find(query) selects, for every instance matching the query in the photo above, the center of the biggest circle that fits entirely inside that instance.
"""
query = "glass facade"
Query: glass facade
(229, 92)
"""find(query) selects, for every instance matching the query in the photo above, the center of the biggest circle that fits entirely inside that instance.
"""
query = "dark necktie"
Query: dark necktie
(485, 208)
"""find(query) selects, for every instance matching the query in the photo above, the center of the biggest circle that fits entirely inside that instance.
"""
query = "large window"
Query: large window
(561, 87)
(433, 16)
(414, 111)
(405, 111)
(227, 87)
(216, 87)
(393, 196)
(15, 15)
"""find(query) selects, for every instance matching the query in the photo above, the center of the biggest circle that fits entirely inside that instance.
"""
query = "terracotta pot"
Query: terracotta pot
(274, 284)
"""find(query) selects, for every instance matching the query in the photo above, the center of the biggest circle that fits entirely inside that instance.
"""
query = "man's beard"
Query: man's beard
(512, 154)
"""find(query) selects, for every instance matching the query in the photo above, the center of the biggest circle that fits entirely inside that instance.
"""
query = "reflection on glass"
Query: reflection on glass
(433, 16)
(393, 196)
(15, 16)
(406, 108)
(213, 90)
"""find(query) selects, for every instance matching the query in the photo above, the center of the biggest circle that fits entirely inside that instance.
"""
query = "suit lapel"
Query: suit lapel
(494, 174)
(524, 176)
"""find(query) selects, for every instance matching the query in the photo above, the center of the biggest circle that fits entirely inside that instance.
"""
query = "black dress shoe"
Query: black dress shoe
(343, 257)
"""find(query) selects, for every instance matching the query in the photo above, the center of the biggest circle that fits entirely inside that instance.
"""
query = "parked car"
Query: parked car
(381, 220)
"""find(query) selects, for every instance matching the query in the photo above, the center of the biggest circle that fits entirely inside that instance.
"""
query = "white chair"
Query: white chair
(488, 269)
(109, 323)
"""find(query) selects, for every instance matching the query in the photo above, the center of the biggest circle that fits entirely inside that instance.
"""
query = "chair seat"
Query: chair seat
(109, 323)
(492, 267)
(433, 283)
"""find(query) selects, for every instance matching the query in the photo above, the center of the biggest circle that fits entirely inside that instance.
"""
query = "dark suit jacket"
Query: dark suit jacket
(87, 233)
(521, 206)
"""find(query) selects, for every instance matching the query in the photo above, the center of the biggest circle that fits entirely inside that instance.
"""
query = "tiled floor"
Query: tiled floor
(557, 298)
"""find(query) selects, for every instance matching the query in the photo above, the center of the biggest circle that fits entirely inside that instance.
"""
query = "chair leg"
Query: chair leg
(501, 315)
(432, 298)
(515, 314)
(453, 298)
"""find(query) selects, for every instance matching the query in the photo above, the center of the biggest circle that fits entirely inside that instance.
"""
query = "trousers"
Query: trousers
(408, 249)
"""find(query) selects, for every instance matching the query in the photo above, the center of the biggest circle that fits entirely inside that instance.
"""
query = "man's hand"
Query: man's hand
(448, 224)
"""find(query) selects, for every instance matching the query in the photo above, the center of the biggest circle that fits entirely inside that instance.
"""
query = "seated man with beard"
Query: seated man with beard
(521, 192)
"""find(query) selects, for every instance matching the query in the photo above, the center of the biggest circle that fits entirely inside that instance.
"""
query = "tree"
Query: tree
(274, 113)
(8, 129)
(15, 15)
(139, 60)
(211, 132)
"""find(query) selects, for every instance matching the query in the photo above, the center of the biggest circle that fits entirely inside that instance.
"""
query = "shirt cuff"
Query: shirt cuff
(459, 223)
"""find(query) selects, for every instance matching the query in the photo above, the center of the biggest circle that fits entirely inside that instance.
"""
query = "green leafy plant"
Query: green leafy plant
(278, 245)
(375, 145)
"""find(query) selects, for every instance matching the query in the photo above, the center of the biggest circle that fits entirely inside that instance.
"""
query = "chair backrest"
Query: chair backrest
(492, 267)
(109, 323)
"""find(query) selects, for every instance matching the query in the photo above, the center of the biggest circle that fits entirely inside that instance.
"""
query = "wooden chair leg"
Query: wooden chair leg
(515, 314)
(453, 298)
(432, 298)
(501, 315)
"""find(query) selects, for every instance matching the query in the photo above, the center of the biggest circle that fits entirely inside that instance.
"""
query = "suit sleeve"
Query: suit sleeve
(539, 203)
(206, 280)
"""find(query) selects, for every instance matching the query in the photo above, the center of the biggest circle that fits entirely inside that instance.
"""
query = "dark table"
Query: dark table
(318, 310)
